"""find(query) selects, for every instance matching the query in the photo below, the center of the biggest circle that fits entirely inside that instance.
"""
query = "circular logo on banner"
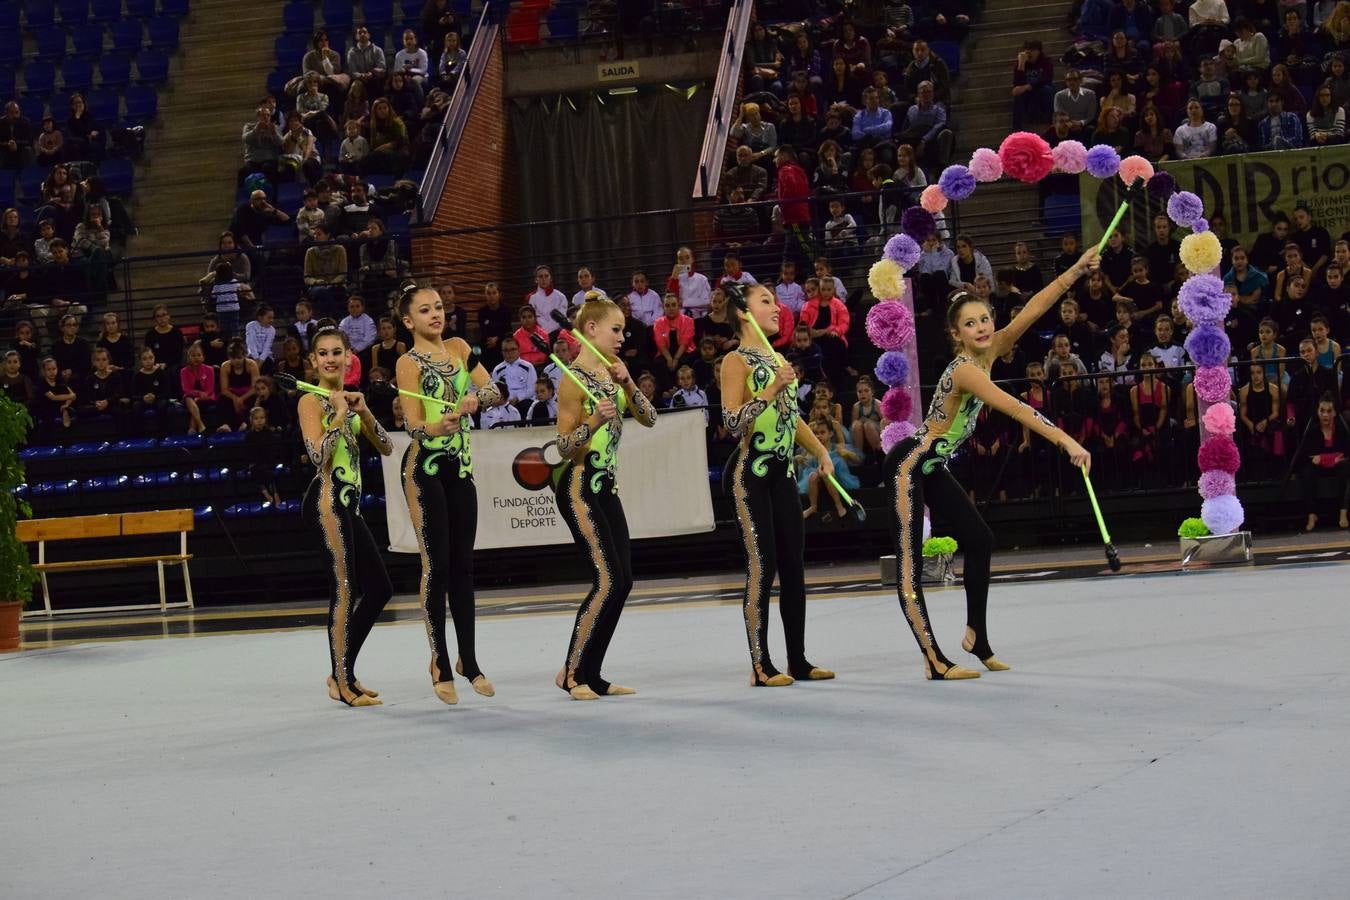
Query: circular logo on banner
(532, 469)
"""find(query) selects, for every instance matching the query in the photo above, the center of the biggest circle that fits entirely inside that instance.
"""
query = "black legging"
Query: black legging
(910, 487)
(443, 504)
(769, 512)
(359, 587)
(597, 523)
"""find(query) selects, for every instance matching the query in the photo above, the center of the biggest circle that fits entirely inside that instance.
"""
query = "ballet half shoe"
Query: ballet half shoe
(361, 698)
(445, 691)
(952, 673)
(778, 679)
(811, 673)
(991, 662)
(618, 690)
(480, 684)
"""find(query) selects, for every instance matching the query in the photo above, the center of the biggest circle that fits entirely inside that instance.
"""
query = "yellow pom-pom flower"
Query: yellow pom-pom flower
(1201, 252)
(886, 279)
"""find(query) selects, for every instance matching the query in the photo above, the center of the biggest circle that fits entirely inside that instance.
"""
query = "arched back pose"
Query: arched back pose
(438, 480)
(330, 427)
(588, 495)
(759, 406)
(916, 468)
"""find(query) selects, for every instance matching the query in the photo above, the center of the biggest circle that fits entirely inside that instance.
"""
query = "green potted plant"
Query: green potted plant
(937, 559)
(16, 573)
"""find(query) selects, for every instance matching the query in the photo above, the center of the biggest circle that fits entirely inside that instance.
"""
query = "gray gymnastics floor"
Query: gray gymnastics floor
(1160, 736)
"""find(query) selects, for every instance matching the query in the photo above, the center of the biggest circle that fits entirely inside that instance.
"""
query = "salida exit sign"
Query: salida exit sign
(617, 71)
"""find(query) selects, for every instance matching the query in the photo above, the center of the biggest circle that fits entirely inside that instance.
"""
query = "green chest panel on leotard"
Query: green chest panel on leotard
(346, 467)
(447, 382)
(774, 432)
(602, 456)
(959, 425)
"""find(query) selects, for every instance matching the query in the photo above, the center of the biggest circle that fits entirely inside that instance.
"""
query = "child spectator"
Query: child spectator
(15, 385)
(506, 413)
(260, 448)
(1267, 347)
(787, 326)
(544, 408)
(104, 393)
(384, 353)
(688, 394)
(238, 379)
(1307, 382)
(72, 352)
(673, 336)
(357, 325)
(1073, 324)
(826, 319)
(269, 397)
(732, 271)
(805, 353)
(42, 244)
(1118, 357)
(1259, 412)
(151, 390)
(198, 387)
(788, 291)
(308, 216)
(824, 270)
(53, 403)
(1146, 295)
(227, 295)
(690, 286)
(841, 230)
(456, 317)
(562, 348)
(1150, 400)
(809, 480)
(514, 372)
(805, 388)
(49, 144)
(585, 282)
(259, 335)
(1169, 355)
(703, 366)
(304, 326)
(545, 300)
(1061, 354)
(532, 340)
(866, 427)
(645, 302)
(354, 149)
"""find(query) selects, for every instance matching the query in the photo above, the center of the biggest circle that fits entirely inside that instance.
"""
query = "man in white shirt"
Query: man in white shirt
(546, 300)
(518, 375)
(645, 302)
(788, 291)
(412, 61)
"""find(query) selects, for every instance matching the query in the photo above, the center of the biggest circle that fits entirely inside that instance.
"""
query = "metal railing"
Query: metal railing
(721, 113)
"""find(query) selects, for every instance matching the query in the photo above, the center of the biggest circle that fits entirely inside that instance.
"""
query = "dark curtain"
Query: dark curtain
(601, 157)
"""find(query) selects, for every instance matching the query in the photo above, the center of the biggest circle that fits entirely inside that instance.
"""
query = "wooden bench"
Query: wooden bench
(72, 528)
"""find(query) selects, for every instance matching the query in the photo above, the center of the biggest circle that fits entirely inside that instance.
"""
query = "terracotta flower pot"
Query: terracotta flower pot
(9, 627)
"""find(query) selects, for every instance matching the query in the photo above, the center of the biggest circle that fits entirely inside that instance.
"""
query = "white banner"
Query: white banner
(516, 507)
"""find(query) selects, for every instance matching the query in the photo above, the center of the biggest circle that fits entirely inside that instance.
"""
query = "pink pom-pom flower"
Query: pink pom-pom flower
(890, 325)
(1222, 515)
(985, 165)
(897, 404)
(1069, 157)
(1132, 167)
(1219, 419)
(1212, 384)
(894, 433)
(1217, 452)
(1026, 156)
(1216, 483)
(932, 199)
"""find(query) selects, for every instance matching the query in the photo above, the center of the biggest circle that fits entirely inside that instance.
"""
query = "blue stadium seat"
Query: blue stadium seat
(289, 196)
(106, 11)
(412, 9)
(462, 8)
(77, 74)
(126, 36)
(135, 445)
(31, 453)
(174, 7)
(167, 479)
(337, 14)
(39, 13)
(397, 223)
(88, 448)
(30, 182)
(114, 70)
(1062, 215)
(297, 17)
(163, 31)
(73, 12)
(378, 13)
(564, 23)
(7, 81)
(118, 176)
(152, 67)
(33, 109)
(279, 235)
(104, 106)
(188, 441)
(139, 9)
(224, 439)
(51, 42)
(9, 189)
(11, 48)
(88, 39)
(39, 78)
(337, 40)
(950, 51)
(276, 82)
(142, 105)
(59, 104)
(290, 50)
(9, 17)
(200, 513)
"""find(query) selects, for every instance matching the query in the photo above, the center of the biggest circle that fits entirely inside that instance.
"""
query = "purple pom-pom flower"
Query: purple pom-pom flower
(1161, 186)
(890, 325)
(1208, 345)
(956, 182)
(1203, 299)
(894, 433)
(1200, 225)
(1185, 208)
(1222, 515)
(1102, 161)
(1217, 483)
(893, 368)
(1212, 384)
(903, 250)
(918, 223)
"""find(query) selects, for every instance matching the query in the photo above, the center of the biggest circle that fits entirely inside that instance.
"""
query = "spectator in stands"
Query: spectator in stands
(227, 251)
(324, 62)
(1280, 130)
(358, 325)
(532, 338)
(794, 189)
(1209, 25)
(62, 284)
(259, 336)
(1209, 89)
(92, 239)
(1124, 57)
(357, 106)
(1326, 119)
(1111, 131)
(103, 392)
(1033, 90)
(164, 338)
(805, 58)
(644, 302)
(452, 63)
(764, 61)
(966, 264)
(380, 265)
(404, 96)
(1163, 92)
(228, 294)
(326, 270)
(299, 148)
(438, 22)
(312, 108)
(689, 285)
(751, 129)
(830, 174)
(61, 198)
(925, 123)
(365, 62)
(842, 92)
(1294, 267)
(1163, 253)
(927, 66)
(237, 387)
(873, 123)
(16, 138)
(49, 147)
(841, 229)
(1324, 455)
(112, 338)
(213, 343)
(1253, 50)
(751, 179)
(15, 385)
(251, 219)
(717, 326)
(827, 319)
(354, 216)
(1237, 133)
(637, 340)
(1195, 138)
(51, 410)
(389, 148)
(1077, 102)
(797, 128)
(1300, 49)
(673, 337)
(412, 61)
(13, 237)
(307, 217)
(1338, 79)
(732, 271)
(543, 409)
(545, 299)
(72, 353)
(1153, 140)
(735, 224)
(1169, 26)
(513, 371)
(1314, 243)
(1281, 84)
